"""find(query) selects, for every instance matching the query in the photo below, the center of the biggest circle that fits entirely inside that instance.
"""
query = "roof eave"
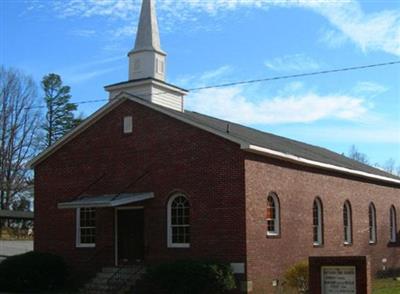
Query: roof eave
(307, 162)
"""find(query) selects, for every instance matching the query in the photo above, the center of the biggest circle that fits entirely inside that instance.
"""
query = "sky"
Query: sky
(210, 42)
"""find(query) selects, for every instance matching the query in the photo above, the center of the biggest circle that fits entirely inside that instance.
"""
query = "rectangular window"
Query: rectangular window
(128, 124)
(86, 227)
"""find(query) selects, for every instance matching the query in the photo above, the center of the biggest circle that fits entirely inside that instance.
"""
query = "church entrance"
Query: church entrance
(129, 235)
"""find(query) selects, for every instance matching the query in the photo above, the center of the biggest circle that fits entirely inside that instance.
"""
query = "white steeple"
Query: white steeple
(147, 60)
(147, 66)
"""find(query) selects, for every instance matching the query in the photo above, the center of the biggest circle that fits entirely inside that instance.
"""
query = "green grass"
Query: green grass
(385, 286)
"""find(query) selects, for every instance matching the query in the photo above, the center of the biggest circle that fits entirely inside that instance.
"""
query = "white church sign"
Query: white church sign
(338, 279)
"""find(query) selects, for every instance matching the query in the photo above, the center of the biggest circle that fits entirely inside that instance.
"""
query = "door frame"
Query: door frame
(116, 227)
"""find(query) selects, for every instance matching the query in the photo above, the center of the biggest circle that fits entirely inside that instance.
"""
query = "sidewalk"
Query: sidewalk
(9, 248)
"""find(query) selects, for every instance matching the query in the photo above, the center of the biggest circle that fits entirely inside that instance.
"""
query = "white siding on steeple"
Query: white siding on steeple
(152, 91)
(143, 64)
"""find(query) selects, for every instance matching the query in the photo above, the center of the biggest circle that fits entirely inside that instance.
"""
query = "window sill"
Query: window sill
(318, 245)
(273, 235)
(347, 244)
(179, 245)
(85, 245)
(372, 243)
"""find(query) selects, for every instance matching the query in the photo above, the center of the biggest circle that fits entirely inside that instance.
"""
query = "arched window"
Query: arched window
(178, 211)
(317, 222)
(393, 224)
(347, 223)
(372, 223)
(272, 215)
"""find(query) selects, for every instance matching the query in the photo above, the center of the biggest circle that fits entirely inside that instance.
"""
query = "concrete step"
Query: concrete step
(100, 283)
(130, 269)
(122, 275)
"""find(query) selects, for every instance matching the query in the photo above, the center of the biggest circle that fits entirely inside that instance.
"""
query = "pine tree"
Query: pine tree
(60, 112)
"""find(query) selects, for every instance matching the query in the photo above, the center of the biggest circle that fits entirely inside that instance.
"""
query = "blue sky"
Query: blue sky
(217, 41)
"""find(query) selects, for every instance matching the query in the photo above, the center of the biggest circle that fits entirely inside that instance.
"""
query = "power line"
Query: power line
(297, 75)
(323, 72)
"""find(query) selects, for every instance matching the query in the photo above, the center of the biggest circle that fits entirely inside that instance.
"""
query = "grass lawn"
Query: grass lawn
(385, 286)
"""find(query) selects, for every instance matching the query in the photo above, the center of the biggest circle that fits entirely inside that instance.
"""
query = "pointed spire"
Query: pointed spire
(147, 60)
(147, 66)
(148, 36)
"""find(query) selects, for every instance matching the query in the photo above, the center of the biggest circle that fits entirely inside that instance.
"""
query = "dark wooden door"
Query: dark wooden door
(130, 236)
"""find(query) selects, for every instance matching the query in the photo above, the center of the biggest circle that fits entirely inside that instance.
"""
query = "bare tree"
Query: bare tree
(19, 126)
(390, 166)
(356, 155)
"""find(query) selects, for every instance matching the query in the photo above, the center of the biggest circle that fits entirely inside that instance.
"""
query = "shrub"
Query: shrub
(393, 272)
(32, 271)
(183, 277)
(297, 277)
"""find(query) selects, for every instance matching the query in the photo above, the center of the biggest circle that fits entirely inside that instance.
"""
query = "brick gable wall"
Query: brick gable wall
(174, 157)
(296, 187)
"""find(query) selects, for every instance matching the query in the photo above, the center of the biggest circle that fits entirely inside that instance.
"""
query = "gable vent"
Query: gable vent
(128, 124)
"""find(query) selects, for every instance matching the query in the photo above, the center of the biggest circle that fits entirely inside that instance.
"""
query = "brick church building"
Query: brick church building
(143, 179)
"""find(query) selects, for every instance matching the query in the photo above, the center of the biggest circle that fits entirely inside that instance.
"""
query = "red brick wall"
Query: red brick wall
(296, 187)
(210, 170)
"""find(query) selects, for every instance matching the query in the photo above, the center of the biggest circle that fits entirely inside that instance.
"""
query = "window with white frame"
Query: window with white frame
(317, 222)
(347, 223)
(393, 225)
(272, 215)
(178, 221)
(372, 223)
(86, 227)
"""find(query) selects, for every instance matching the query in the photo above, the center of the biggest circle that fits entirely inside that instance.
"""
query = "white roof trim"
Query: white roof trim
(308, 162)
(106, 200)
(129, 84)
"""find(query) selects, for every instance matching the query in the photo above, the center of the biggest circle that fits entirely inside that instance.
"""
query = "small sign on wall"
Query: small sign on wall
(338, 279)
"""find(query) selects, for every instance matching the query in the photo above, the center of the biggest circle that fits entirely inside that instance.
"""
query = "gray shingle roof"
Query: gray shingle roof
(237, 133)
(282, 144)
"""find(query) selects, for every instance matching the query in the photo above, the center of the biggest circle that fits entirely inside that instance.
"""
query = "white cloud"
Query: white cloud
(95, 63)
(333, 38)
(124, 31)
(212, 75)
(231, 104)
(373, 31)
(370, 31)
(290, 63)
(118, 9)
(368, 87)
(208, 77)
(79, 77)
(83, 32)
(374, 134)
(83, 72)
